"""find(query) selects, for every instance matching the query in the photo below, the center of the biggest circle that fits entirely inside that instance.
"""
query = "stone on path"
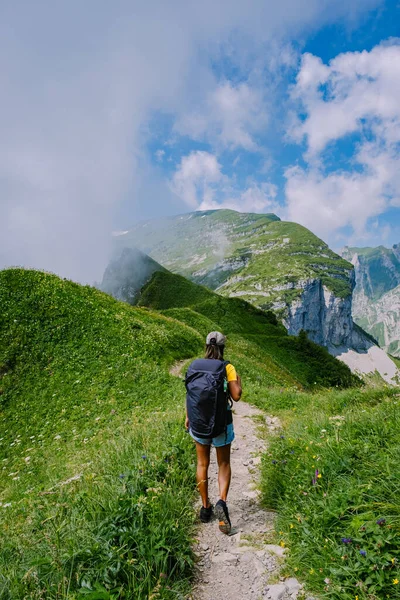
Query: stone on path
(276, 591)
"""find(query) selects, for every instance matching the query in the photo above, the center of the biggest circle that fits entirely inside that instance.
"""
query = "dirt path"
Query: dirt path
(241, 566)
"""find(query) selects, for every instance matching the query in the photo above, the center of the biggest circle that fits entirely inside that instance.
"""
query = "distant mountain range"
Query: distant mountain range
(376, 299)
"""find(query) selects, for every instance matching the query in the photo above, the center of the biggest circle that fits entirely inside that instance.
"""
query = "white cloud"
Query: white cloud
(230, 117)
(325, 203)
(159, 154)
(256, 198)
(357, 93)
(357, 90)
(199, 181)
(195, 177)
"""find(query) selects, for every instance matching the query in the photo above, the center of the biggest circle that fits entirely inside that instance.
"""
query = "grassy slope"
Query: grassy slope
(92, 442)
(295, 254)
(252, 333)
(85, 392)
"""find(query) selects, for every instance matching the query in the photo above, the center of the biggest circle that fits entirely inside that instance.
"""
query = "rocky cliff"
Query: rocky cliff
(376, 299)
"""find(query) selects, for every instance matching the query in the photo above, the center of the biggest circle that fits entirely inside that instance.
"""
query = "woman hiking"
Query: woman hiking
(211, 383)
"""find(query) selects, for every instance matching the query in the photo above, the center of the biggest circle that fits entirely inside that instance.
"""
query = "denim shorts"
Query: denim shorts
(223, 439)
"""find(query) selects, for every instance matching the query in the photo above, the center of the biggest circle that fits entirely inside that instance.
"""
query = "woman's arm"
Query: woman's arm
(235, 389)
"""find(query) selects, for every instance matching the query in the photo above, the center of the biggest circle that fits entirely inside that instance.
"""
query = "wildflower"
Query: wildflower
(319, 475)
(381, 521)
(122, 476)
(291, 525)
(327, 580)
(312, 571)
(144, 456)
(282, 437)
(282, 544)
(274, 462)
(363, 553)
(392, 560)
(346, 540)
(395, 581)
(27, 459)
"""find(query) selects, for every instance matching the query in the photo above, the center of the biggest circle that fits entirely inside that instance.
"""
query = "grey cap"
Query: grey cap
(216, 338)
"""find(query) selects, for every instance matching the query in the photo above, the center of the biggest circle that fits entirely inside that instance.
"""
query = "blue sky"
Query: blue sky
(114, 113)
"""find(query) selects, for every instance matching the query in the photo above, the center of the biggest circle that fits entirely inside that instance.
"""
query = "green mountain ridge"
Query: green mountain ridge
(211, 246)
(272, 264)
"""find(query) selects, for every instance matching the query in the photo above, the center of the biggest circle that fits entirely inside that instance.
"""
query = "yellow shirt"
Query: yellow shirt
(231, 373)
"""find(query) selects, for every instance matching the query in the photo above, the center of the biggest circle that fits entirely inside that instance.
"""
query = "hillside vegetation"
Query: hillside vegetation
(91, 443)
(254, 335)
(258, 257)
(98, 474)
(332, 474)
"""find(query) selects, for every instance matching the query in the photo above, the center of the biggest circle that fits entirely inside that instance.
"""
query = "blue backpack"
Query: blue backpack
(207, 397)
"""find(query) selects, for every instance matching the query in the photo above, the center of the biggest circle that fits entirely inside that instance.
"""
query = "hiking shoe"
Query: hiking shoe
(205, 514)
(221, 510)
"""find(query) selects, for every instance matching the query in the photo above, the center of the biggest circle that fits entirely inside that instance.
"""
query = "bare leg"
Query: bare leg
(224, 470)
(203, 462)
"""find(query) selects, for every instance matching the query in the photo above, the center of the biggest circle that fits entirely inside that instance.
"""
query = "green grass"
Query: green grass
(85, 393)
(333, 476)
(289, 360)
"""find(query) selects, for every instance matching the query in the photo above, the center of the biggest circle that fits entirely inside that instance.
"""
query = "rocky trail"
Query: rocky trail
(244, 564)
